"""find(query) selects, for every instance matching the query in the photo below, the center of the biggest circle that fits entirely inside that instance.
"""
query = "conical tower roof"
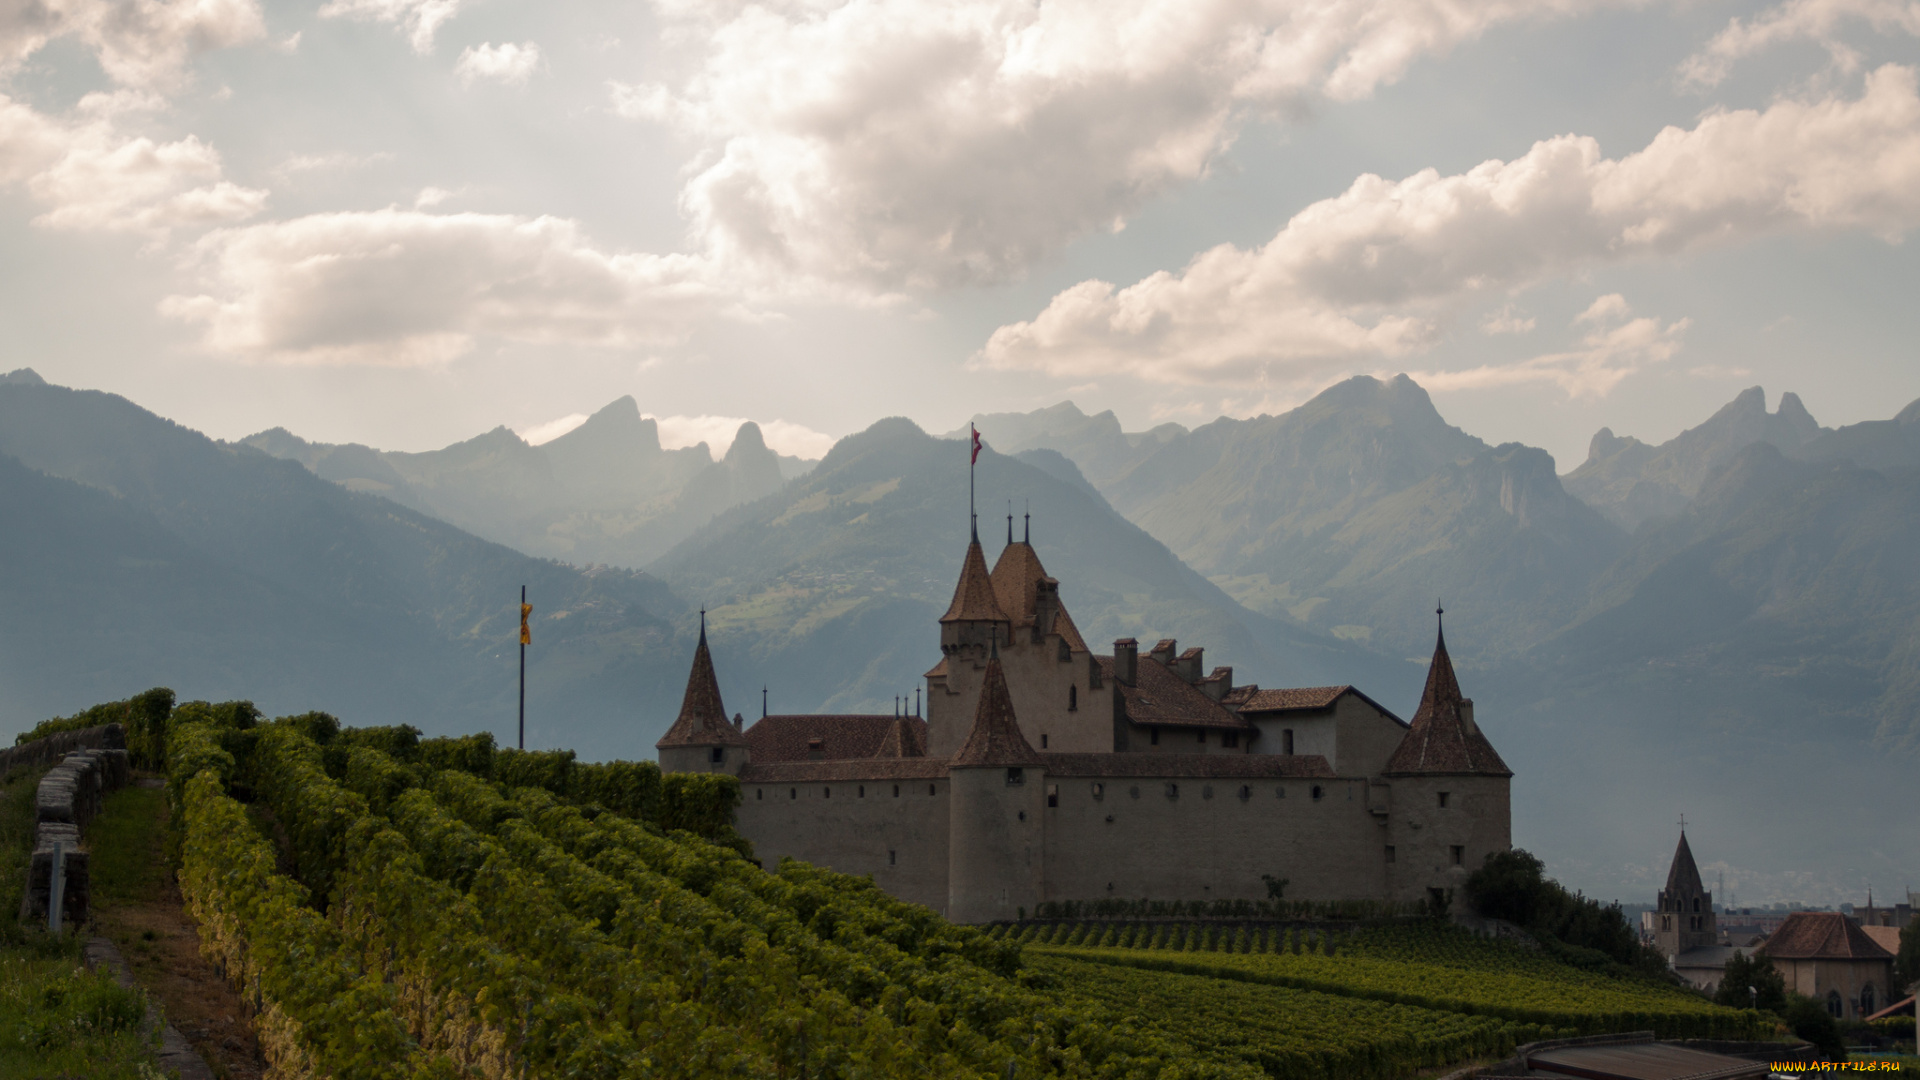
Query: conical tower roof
(995, 738)
(703, 719)
(1683, 877)
(1440, 739)
(973, 599)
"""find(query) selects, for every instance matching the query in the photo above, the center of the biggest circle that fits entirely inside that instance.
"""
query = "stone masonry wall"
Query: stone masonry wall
(68, 797)
(856, 827)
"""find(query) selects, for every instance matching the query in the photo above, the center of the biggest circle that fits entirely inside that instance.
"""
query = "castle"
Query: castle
(1045, 772)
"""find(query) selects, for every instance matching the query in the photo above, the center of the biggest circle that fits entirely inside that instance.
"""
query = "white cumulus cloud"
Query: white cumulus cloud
(508, 63)
(1365, 273)
(1614, 346)
(139, 43)
(1820, 21)
(909, 144)
(404, 287)
(419, 20)
(92, 176)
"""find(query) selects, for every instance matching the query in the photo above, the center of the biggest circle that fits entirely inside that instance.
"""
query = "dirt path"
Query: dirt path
(137, 906)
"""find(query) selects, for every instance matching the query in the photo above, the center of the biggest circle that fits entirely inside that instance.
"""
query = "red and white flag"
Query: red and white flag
(976, 444)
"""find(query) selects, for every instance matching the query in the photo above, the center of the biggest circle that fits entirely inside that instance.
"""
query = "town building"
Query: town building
(1045, 772)
(1826, 956)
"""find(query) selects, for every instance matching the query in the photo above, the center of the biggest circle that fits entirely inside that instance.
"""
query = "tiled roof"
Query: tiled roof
(1160, 697)
(1189, 766)
(1016, 577)
(938, 671)
(1683, 876)
(1063, 625)
(1285, 700)
(1887, 937)
(808, 772)
(995, 738)
(1440, 741)
(906, 737)
(1822, 935)
(973, 599)
(1238, 696)
(787, 738)
(703, 719)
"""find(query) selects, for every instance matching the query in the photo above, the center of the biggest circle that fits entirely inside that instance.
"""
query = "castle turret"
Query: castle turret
(973, 622)
(702, 739)
(998, 786)
(1684, 914)
(1449, 794)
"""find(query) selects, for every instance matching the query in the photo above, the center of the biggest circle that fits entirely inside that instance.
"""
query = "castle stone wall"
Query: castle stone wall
(998, 843)
(1476, 818)
(1192, 847)
(900, 840)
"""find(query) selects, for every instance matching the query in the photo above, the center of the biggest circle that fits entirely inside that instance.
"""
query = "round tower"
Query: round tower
(997, 784)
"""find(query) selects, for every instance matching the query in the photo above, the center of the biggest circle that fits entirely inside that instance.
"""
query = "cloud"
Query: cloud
(1819, 21)
(1368, 273)
(93, 177)
(509, 64)
(915, 144)
(1506, 321)
(419, 20)
(1616, 346)
(782, 436)
(552, 429)
(403, 287)
(139, 43)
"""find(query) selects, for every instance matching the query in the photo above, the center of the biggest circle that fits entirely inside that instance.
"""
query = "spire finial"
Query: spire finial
(1683, 824)
(916, 701)
(1027, 524)
(1009, 522)
(703, 626)
(763, 701)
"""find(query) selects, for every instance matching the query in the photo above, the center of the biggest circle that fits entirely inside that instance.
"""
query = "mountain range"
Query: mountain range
(1723, 624)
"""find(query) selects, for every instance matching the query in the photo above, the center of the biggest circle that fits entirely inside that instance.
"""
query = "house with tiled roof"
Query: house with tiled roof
(1828, 957)
(1043, 771)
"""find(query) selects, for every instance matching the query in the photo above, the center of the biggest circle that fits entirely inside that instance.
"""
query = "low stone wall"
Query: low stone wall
(68, 797)
(52, 748)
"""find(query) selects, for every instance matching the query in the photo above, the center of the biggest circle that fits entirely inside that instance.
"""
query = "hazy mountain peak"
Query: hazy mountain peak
(1908, 415)
(25, 376)
(747, 443)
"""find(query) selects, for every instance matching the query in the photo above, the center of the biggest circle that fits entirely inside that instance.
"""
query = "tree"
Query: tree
(1906, 963)
(1751, 982)
(1810, 1020)
(1513, 885)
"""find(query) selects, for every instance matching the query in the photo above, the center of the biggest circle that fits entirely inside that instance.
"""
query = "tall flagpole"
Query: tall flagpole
(524, 610)
(973, 456)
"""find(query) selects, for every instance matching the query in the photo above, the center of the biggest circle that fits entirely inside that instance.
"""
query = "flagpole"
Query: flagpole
(523, 667)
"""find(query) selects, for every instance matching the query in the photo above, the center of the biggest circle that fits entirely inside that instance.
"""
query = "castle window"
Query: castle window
(1043, 740)
(1203, 735)
(1053, 794)
(1443, 800)
(1696, 903)
(1666, 923)
(1246, 792)
(1318, 792)
(863, 791)
(793, 793)
(826, 793)
(1073, 698)
(760, 793)
(1173, 790)
(718, 755)
(1066, 654)
(1280, 793)
(896, 791)
(1835, 1007)
(1286, 742)
(1389, 852)
(891, 858)
(1153, 736)
(1207, 792)
(1229, 739)
(930, 790)
(1016, 776)
(1459, 853)
(1099, 791)
(1134, 791)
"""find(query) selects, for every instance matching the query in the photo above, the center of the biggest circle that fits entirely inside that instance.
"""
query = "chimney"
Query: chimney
(1046, 603)
(1219, 684)
(1188, 666)
(1466, 715)
(1126, 660)
(1163, 652)
(738, 723)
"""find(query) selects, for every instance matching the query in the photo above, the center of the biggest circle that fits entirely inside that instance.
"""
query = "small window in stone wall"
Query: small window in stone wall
(1153, 736)
(1246, 792)
(896, 791)
(891, 858)
(1443, 800)
(1173, 790)
(862, 791)
(1066, 654)
(1318, 793)
(1053, 794)
(1203, 734)
(1134, 791)
(1207, 792)
(1073, 698)
(1280, 793)
(1286, 742)
(1099, 791)
(1229, 739)
(793, 793)
(1043, 740)
(826, 793)
(718, 755)
(1016, 777)
(1389, 852)
(930, 790)
(760, 793)
(1459, 854)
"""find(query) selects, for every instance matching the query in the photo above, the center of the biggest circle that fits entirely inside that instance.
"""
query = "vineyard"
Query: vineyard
(1417, 964)
(397, 908)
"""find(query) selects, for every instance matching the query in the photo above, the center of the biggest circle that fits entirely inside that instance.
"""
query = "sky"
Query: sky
(405, 222)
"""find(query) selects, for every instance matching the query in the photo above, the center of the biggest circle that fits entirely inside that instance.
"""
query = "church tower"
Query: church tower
(701, 738)
(1684, 917)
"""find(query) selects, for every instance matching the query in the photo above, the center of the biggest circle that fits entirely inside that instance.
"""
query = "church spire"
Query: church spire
(973, 599)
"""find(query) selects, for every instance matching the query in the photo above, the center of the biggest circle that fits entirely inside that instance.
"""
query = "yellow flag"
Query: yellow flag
(526, 635)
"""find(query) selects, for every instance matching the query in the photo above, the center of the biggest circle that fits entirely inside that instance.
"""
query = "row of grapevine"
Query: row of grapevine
(1291, 1034)
(1451, 969)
